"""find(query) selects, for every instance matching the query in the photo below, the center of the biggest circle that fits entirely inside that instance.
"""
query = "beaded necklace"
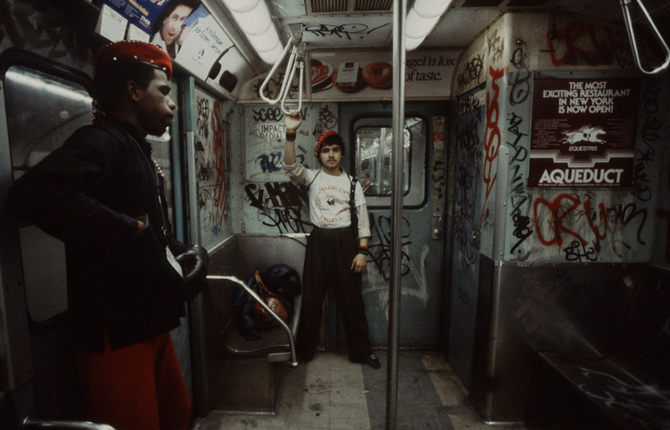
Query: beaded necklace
(158, 168)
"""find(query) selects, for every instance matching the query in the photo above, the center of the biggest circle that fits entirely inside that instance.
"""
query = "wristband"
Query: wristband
(290, 135)
(363, 250)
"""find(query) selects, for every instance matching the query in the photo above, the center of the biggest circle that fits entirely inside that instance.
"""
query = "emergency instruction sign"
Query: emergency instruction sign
(583, 132)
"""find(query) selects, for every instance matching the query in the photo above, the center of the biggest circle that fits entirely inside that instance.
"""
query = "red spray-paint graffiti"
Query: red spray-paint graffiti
(492, 135)
(562, 207)
(582, 43)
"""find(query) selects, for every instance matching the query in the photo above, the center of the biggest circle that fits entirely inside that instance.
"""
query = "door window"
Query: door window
(374, 168)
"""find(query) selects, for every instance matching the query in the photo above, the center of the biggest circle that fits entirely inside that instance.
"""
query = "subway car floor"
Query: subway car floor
(332, 393)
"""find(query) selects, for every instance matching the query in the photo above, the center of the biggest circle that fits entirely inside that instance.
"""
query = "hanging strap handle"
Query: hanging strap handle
(625, 8)
(296, 61)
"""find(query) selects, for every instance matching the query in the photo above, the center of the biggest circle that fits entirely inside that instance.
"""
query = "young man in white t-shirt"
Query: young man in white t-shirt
(334, 256)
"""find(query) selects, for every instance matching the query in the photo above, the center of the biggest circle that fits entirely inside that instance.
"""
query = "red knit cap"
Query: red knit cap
(141, 51)
(319, 143)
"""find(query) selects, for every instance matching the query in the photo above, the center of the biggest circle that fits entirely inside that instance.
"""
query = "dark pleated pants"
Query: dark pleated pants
(328, 259)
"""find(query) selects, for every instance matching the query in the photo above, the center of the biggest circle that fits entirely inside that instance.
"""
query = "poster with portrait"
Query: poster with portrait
(140, 13)
(200, 44)
(583, 132)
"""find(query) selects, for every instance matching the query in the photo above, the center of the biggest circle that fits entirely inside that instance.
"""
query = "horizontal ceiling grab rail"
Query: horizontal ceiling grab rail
(625, 7)
(296, 61)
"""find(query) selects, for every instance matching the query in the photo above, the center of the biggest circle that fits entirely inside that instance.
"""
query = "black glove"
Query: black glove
(194, 265)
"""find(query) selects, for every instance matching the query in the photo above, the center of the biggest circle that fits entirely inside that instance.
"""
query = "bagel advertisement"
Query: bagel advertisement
(366, 75)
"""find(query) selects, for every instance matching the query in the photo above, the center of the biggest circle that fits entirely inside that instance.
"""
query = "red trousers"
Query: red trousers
(138, 387)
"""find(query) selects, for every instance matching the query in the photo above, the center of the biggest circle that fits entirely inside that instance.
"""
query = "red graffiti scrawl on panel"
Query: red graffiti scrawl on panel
(562, 207)
(582, 43)
(492, 135)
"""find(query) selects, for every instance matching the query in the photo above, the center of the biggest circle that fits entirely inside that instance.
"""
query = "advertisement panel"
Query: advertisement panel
(583, 132)
(140, 13)
(185, 29)
(202, 43)
(364, 75)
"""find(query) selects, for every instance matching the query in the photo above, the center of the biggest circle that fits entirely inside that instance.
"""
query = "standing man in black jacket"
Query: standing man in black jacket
(128, 277)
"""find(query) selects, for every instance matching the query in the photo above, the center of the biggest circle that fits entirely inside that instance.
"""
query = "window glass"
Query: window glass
(375, 146)
(161, 153)
(58, 107)
(374, 169)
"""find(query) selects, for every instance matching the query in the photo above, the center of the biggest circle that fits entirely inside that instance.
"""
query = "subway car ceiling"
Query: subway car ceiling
(231, 59)
(329, 27)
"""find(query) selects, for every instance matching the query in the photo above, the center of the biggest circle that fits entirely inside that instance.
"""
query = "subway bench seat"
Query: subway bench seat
(630, 387)
(240, 373)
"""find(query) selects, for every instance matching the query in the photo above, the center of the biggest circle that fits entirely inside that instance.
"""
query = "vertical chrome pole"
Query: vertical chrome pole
(399, 12)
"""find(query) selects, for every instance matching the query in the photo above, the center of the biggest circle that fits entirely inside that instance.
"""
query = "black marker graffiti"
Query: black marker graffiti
(327, 119)
(646, 404)
(271, 114)
(651, 133)
(472, 72)
(495, 46)
(279, 195)
(519, 79)
(380, 246)
(270, 162)
(341, 31)
(469, 148)
(576, 252)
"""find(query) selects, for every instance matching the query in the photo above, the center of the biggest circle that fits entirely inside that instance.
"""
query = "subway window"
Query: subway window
(373, 158)
(59, 107)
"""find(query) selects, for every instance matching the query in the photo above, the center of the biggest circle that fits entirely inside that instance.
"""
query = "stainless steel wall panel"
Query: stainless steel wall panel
(522, 309)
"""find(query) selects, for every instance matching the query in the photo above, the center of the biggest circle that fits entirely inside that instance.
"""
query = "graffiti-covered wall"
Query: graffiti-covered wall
(270, 203)
(211, 167)
(585, 136)
(481, 86)
(469, 138)
(585, 147)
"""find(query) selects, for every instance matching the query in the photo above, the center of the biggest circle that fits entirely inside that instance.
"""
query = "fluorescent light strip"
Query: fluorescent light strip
(253, 18)
(421, 19)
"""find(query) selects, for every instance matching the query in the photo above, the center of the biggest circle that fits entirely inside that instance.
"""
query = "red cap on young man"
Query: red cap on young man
(133, 49)
(319, 143)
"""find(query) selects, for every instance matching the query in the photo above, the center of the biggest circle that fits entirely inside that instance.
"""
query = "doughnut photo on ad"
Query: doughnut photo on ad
(321, 73)
(378, 74)
(366, 75)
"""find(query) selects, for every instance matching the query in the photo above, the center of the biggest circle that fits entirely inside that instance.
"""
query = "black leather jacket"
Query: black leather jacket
(87, 194)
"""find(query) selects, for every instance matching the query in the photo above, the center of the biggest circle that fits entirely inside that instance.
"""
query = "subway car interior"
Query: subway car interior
(499, 291)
